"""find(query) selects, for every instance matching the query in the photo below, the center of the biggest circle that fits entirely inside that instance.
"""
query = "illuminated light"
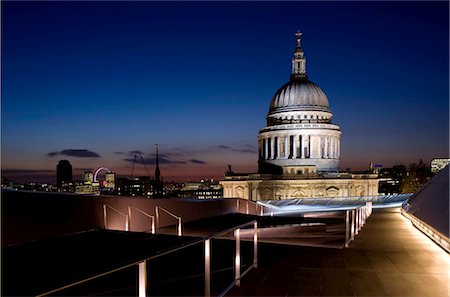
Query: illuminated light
(98, 170)
(429, 231)
(207, 268)
(352, 237)
(237, 259)
(347, 228)
(179, 226)
(143, 279)
(255, 245)
(105, 222)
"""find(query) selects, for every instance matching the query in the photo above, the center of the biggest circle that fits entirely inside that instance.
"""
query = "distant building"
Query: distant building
(439, 164)
(135, 186)
(391, 179)
(63, 173)
(205, 189)
(88, 188)
(110, 179)
(88, 176)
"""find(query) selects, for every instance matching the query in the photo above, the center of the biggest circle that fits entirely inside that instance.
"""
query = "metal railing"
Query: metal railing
(130, 207)
(105, 219)
(247, 206)
(355, 219)
(142, 265)
(157, 208)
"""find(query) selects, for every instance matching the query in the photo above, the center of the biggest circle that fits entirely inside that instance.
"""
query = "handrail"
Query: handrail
(140, 262)
(105, 220)
(130, 207)
(355, 220)
(247, 209)
(169, 213)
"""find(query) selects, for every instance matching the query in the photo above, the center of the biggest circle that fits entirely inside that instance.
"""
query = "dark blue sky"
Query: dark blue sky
(198, 77)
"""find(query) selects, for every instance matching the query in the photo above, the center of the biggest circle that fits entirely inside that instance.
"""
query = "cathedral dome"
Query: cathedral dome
(299, 94)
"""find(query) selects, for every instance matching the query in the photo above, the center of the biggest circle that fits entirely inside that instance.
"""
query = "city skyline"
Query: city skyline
(97, 83)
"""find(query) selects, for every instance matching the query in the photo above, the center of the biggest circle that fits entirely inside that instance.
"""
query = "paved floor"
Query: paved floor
(388, 258)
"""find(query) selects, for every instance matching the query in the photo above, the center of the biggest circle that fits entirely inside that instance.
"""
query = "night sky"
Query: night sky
(96, 83)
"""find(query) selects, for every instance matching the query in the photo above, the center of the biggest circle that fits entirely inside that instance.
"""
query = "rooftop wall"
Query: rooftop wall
(35, 215)
(431, 203)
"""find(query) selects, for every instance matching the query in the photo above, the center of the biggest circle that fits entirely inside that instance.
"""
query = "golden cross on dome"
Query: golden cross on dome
(298, 34)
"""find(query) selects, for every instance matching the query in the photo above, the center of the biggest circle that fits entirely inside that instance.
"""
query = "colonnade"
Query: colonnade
(299, 147)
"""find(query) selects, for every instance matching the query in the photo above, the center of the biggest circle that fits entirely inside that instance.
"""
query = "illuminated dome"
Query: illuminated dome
(299, 94)
(300, 137)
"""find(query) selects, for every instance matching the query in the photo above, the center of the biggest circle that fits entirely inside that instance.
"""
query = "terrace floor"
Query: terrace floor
(389, 257)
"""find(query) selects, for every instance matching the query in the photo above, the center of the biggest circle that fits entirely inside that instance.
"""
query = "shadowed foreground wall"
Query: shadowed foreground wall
(34, 215)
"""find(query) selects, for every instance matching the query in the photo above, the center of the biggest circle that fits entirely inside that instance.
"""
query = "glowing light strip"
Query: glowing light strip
(429, 231)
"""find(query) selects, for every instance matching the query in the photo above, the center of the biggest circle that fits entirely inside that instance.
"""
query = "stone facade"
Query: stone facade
(265, 187)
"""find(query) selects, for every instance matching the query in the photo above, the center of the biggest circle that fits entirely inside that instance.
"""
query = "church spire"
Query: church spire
(157, 172)
(299, 60)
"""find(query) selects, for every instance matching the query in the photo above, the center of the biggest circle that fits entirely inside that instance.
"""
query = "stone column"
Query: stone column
(272, 147)
(278, 148)
(330, 147)
(334, 148)
(302, 147)
(338, 154)
(325, 148)
(333, 144)
(286, 147)
(309, 146)
(319, 148)
(294, 146)
(266, 148)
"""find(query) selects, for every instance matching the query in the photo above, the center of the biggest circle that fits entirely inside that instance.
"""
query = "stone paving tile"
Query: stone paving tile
(336, 282)
(366, 284)
(444, 279)
(305, 282)
(379, 261)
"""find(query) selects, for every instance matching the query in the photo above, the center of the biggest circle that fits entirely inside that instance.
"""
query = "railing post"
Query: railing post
(207, 268)
(129, 217)
(237, 205)
(179, 227)
(237, 259)
(157, 218)
(357, 222)
(352, 235)
(143, 279)
(262, 210)
(255, 245)
(347, 228)
(365, 214)
(126, 223)
(105, 222)
(360, 219)
(246, 207)
(153, 225)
